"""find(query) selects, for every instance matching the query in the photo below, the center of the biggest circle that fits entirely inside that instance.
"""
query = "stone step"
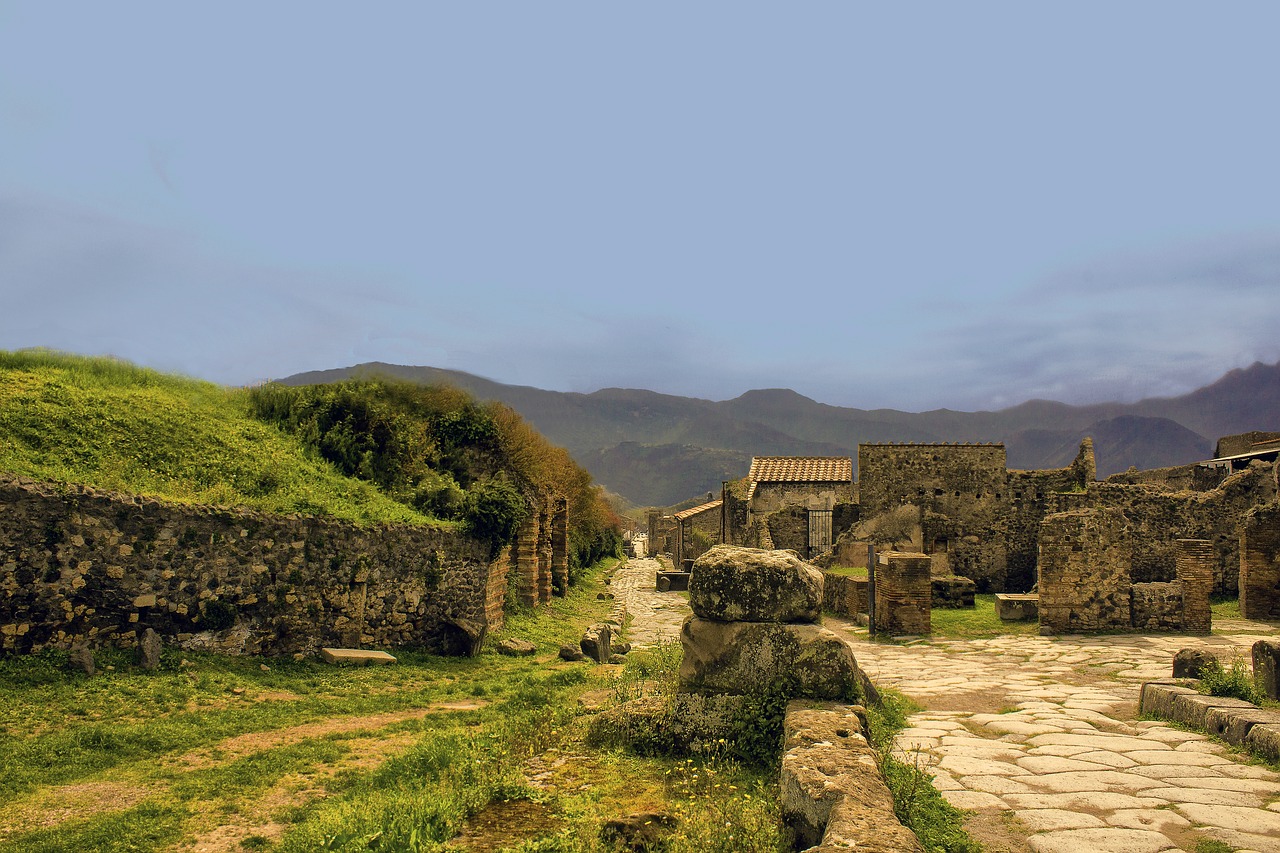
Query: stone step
(356, 657)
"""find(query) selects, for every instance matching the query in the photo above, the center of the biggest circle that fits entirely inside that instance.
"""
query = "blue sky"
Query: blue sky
(879, 205)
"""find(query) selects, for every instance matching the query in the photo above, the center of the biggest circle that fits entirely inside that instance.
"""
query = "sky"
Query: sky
(906, 205)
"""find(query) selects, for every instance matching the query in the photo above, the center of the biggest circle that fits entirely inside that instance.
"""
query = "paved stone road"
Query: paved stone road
(1040, 734)
(656, 617)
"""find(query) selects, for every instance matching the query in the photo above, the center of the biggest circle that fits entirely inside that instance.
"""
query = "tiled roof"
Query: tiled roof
(689, 513)
(801, 469)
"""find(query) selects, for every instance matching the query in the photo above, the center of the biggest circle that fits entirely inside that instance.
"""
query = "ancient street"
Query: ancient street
(1039, 735)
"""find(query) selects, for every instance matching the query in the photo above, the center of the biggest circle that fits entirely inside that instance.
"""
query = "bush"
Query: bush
(493, 513)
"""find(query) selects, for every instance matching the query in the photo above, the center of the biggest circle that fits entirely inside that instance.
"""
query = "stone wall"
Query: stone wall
(77, 565)
(942, 476)
(904, 594)
(1260, 564)
(1086, 578)
(844, 595)
(771, 497)
(1084, 572)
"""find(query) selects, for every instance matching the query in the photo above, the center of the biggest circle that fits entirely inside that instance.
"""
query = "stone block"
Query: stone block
(1233, 724)
(149, 648)
(1157, 697)
(356, 657)
(82, 659)
(1266, 666)
(1017, 607)
(762, 657)
(515, 647)
(953, 592)
(1264, 740)
(732, 584)
(596, 642)
(673, 581)
(1190, 709)
(1191, 663)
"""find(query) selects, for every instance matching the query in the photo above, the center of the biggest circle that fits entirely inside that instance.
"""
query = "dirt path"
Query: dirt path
(1040, 737)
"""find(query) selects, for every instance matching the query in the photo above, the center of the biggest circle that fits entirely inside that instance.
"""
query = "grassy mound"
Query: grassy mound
(112, 425)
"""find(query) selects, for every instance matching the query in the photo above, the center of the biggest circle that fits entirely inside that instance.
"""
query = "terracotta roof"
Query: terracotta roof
(689, 513)
(801, 469)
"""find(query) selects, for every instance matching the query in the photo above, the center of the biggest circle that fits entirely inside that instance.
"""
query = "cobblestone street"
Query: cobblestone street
(1040, 737)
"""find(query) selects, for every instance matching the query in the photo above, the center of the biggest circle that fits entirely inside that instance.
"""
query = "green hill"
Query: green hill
(114, 426)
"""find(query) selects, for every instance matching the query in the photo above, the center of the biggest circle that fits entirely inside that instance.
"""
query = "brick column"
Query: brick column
(526, 557)
(544, 551)
(1195, 560)
(1260, 564)
(560, 547)
(904, 594)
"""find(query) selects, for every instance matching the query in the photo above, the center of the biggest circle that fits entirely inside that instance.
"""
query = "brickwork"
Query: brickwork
(79, 565)
(843, 595)
(526, 557)
(904, 594)
(1260, 564)
(560, 547)
(1195, 559)
(544, 551)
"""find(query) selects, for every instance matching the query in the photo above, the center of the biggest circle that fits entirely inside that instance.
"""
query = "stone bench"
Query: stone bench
(1018, 607)
(356, 657)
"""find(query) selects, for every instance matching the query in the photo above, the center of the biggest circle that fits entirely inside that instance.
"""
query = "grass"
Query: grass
(302, 756)
(978, 622)
(847, 571)
(114, 426)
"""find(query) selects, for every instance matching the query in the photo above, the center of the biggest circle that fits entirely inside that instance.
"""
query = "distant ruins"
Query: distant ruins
(1149, 547)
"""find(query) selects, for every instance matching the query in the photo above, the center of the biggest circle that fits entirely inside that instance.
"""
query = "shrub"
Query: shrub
(493, 513)
(1236, 682)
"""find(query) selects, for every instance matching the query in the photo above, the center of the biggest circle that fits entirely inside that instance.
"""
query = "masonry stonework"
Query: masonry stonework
(78, 565)
(1084, 572)
(1260, 564)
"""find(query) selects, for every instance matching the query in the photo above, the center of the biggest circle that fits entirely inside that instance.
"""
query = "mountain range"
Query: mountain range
(657, 449)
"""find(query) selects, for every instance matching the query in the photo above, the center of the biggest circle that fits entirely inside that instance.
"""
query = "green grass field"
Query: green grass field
(114, 426)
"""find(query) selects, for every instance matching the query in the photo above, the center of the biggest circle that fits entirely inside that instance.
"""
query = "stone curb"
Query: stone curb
(1237, 722)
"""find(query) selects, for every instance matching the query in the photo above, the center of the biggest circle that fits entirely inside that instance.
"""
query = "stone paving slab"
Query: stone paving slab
(656, 617)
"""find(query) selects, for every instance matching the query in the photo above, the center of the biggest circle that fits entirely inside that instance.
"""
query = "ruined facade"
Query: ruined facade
(541, 552)
(697, 530)
(800, 503)
(1260, 564)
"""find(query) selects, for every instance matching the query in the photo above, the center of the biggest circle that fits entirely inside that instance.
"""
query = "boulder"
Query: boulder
(758, 658)
(571, 653)
(1266, 667)
(596, 642)
(733, 584)
(515, 647)
(1191, 663)
(149, 648)
(82, 659)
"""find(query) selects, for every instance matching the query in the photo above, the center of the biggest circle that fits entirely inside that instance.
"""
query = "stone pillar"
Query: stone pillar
(544, 551)
(904, 593)
(1260, 564)
(1195, 560)
(560, 547)
(1085, 567)
(526, 557)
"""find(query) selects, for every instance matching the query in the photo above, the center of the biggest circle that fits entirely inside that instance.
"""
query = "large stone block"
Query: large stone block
(1266, 666)
(1192, 662)
(764, 657)
(1264, 740)
(1191, 710)
(1233, 724)
(1018, 607)
(733, 584)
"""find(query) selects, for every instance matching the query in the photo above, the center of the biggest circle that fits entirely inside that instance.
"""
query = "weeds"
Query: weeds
(1236, 681)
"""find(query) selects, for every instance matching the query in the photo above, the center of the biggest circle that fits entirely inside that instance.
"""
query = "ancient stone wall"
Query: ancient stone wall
(1195, 560)
(944, 477)
(771, 497)
(1260, 564)
(904, 594)
(1196, 477)
(789, 529)
(1084, 572)
(1155, 606)
(80, 565)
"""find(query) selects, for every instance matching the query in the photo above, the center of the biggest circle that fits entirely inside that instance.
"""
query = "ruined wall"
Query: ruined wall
(904, 594)
(1233, 445)
(1193, 478)
(1156, 606)
(80, 565)
(947, 478)
(1084, 572)
(734, 513)
(695, 535)
(1260, 564)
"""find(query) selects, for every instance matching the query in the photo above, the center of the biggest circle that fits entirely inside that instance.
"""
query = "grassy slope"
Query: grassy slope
(115, 426)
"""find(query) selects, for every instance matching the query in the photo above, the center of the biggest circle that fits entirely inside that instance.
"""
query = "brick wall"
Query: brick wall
(1260, 564)
(904, 594)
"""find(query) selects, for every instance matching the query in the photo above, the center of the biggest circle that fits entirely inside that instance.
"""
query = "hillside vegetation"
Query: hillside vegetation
(366, 452)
